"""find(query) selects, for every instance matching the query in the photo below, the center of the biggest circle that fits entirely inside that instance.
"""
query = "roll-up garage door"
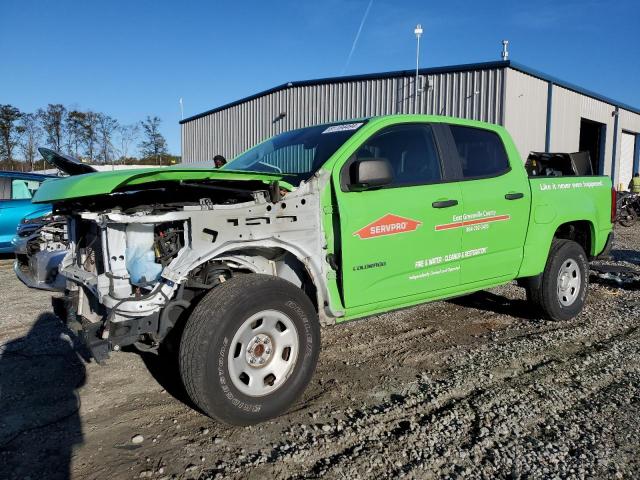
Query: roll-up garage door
(627, 147)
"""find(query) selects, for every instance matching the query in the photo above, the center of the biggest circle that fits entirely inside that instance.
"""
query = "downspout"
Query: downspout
(547, 136)
(616, 114)
(636, 155)
(503, 94)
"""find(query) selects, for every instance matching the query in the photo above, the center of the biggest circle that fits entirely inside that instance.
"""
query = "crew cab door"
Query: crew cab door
(496, 198)
(390, 247)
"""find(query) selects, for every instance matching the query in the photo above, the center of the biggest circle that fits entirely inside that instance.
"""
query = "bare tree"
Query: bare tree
(75, 128)
(31, 138)
(53, 120)
(10, 131)
(90, 133)
(128, 134)
(106, 127)
(153, 144)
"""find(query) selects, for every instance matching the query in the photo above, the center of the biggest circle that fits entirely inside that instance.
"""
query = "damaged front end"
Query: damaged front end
(40, 245)
(137, 259)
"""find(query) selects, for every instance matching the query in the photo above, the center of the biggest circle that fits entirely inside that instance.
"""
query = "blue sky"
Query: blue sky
(134, 58)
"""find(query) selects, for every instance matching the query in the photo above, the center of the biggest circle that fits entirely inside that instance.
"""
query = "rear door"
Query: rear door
(496, 202)
(390, 247)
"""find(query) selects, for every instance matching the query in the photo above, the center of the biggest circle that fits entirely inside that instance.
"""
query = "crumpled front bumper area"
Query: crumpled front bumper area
(40, 270)
(100, 338)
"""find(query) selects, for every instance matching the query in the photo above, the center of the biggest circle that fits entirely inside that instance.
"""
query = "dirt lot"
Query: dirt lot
(476, 387)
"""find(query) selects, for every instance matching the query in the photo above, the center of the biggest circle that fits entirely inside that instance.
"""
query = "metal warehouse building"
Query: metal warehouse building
(541, 112)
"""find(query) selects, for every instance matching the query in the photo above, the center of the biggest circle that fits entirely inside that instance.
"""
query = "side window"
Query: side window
(5, 189)
(411, 151)
(481, 152)
(23, 189)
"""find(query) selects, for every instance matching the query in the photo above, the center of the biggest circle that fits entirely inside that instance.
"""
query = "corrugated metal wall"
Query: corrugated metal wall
(497, 95)
(628, 122)
(469, 94)
(568, 108)
(526, 111)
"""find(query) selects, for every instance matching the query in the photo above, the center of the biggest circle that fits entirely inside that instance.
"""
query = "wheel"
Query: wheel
(562, 291)
(627, 216)
(249, 349)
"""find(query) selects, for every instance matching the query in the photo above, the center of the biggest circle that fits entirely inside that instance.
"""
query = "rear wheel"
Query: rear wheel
(562, 290)
(249, 349)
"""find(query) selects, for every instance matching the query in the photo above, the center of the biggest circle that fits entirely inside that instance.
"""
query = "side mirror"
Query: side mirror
(370, 173)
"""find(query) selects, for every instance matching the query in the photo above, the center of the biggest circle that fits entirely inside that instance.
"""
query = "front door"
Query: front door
(390, 244)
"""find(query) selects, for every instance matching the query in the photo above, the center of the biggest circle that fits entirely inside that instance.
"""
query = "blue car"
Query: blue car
(16, 190)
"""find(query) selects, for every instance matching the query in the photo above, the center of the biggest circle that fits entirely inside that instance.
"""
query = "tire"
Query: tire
(627, 216)
(562, 290)
(249, 318)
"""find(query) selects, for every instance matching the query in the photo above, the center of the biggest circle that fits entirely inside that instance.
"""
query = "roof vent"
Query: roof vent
(505, 50)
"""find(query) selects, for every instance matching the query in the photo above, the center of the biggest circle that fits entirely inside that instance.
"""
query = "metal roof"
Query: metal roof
(423, 71)
(24, 175)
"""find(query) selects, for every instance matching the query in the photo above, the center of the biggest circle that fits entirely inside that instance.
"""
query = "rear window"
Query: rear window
(482, 153)
(23, 189)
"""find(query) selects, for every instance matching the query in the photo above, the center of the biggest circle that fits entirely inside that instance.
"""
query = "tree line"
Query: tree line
(93, 137)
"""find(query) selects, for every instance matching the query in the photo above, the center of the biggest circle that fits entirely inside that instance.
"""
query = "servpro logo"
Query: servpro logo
(388, 225)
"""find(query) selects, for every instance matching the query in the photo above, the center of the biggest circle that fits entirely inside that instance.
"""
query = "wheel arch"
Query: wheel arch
(580, 231)
(281, 262)
(539, 241)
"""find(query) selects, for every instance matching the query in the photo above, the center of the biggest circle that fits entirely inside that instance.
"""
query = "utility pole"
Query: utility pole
(418, 32)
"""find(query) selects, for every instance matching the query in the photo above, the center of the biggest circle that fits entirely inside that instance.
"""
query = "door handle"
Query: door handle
(514, 196)
(444, 203)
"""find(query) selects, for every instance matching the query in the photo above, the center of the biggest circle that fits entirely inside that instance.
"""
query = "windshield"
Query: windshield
(296, 154)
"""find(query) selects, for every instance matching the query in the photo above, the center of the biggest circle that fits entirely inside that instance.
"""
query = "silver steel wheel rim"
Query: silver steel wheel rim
(263, 353)
(569, 278)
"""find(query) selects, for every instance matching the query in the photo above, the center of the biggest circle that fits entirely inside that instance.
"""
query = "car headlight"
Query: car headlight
(43, 219)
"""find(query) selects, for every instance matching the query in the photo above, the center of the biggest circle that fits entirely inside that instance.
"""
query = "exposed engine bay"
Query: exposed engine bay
(136, 260)
(40, 245)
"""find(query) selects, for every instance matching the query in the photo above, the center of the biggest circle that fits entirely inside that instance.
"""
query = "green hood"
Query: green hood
(103, 183)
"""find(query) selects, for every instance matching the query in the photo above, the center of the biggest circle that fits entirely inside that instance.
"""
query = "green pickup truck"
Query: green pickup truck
(236, 269)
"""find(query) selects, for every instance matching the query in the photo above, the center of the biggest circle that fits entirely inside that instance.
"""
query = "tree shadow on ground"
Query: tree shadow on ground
(40, 422)
(491, 302)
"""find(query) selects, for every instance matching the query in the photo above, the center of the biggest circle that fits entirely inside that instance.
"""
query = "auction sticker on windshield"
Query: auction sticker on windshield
(343, 128)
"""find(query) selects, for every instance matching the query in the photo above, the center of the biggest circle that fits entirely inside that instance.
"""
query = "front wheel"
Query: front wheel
(562, 290)
(249, 349)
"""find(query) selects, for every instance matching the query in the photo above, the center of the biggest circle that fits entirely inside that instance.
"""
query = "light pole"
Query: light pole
(418, 32)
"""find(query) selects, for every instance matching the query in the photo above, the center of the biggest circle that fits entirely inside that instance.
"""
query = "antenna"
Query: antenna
(505, 50)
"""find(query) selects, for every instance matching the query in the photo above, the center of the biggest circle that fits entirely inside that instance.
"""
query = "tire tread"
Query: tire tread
(196, 337)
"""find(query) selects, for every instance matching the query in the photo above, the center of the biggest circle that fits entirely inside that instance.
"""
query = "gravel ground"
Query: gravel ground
(477, 387)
